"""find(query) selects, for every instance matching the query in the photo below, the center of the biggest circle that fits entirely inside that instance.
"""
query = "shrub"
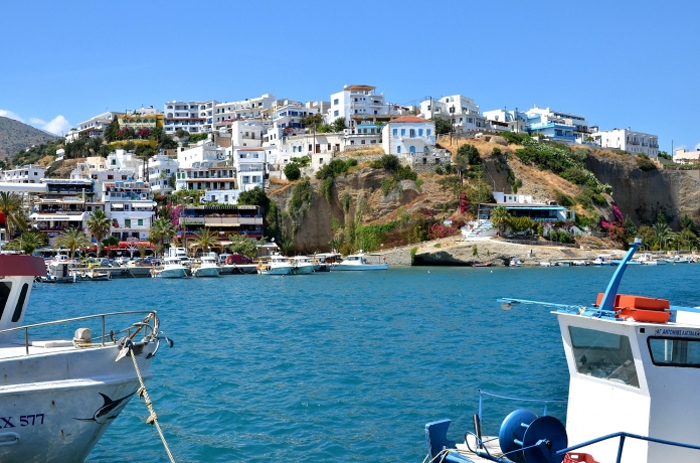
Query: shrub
(352, 162)
(563, 199)
(439, 171)
(575, 175)
(292, 171)
(645, 163)
(515, 138)
(387, 162)
(332, 169)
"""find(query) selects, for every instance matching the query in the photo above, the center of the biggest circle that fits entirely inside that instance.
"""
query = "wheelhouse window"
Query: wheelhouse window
(603, 355)
(4, 296)
(675, 352)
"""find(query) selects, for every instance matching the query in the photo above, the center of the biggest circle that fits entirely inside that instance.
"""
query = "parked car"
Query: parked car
(238, 259)
(121, 260)
(150, 260)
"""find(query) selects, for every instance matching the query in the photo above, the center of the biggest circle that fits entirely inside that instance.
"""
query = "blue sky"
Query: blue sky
(618, 63)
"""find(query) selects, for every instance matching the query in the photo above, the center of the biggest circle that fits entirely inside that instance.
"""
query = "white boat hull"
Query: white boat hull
(171, 273)
(304, 269)
(206, 272)
(276, 270)
(72, 398)
(358, 268)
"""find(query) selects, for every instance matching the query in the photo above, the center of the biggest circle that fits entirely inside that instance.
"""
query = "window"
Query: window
(412, 150)
(127, 223)
(394, 132)
(427, 132)
(335, 102)
(678, 352)
(603, 355)
(4, 295)
(20, 303)
(420, 132)
(140, 222)
(398, 149)
(412, 133)
(403, 132)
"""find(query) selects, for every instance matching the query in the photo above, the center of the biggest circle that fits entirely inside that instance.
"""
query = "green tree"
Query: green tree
(73, 239)
(244, 245)
(99, 225)
(292, 171)
(257, 197)
(27, 242)
(145, 152)
(206, 239)
(162, 232)
(663, 234)
(112, 130)
(442, 126)
(15, 218)
(338, 125)
(500, 217)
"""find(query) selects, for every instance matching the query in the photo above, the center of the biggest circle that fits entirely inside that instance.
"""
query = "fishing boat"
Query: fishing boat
(327, 261)
(634, 366)
(172, 267)
(303, 265)
(482, 264)
(59, 270)
(208, 267)
(601, 261)
(361, 262)
(277, 265)
(94, 275)
(515, 262)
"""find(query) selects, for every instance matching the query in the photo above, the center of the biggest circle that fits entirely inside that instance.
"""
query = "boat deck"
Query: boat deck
(492, 446)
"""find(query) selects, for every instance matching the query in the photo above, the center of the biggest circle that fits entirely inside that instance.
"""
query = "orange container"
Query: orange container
(578, 458)
(637, 302)
(639, 315)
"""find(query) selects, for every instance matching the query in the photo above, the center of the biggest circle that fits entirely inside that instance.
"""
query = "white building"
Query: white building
(501, 120)
(246, 109)
(628, 140)
(25, 174)
(217, 179)
(366, 133)
(247, 133)
(130, 206)
(408, 135)
(251, 167)
(95, 126)
(203, 151)
(122, 160)
(461, 111)
(190, 116)
(356, 102)
(682, 156)
(160, 169)
(544, 119)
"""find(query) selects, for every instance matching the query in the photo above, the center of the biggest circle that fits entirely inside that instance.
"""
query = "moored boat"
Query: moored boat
(303, 265)
(361, 262)
(208, 266)
(277, 265)
(172, 267)
(633, 369)
(59, 396)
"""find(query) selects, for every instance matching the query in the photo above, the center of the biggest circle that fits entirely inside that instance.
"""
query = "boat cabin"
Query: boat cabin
(634, 376)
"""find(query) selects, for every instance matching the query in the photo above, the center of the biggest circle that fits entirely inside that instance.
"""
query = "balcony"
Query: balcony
(222, 221)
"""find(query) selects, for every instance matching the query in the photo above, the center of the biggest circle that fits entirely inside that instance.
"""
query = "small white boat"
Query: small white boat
(601, 261)
(60, 270)
(172, 267)
(277, 265)
(303, 265)
(515, 262)
(361, 262)
(681, 260)
(209, 267)
(545, 264)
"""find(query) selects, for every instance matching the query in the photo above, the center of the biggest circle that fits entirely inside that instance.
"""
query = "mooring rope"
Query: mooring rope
(153, 418)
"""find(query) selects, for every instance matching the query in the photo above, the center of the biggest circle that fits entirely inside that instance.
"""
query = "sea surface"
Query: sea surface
(342, 367)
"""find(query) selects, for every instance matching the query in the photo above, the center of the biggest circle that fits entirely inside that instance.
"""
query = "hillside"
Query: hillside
(16, 136)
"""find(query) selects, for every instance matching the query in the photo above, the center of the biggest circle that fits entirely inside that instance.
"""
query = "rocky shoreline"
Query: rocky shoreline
(459, 253)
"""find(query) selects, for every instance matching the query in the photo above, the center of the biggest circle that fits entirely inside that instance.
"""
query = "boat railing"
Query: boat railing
(544, 401)
(149, 324)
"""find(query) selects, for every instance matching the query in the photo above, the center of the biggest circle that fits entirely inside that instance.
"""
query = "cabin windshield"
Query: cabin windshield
(5, 288)
(603, 355)
(675, 352)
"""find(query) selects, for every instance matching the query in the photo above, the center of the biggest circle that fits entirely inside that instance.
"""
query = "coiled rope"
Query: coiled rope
(143, 393)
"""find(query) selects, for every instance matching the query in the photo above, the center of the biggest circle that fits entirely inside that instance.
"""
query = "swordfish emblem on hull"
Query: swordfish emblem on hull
(109, 410)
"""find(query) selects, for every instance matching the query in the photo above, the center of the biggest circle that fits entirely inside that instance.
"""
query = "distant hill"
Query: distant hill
(16, 136)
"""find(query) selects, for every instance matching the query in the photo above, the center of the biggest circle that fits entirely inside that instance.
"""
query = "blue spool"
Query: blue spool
(512, 433)
(522, 429)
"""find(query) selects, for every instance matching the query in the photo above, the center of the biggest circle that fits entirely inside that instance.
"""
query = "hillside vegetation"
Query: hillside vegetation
(16, 136)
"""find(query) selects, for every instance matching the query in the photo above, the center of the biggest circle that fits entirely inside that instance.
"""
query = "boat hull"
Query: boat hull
(304, 269)
(171, 273)
(71, 399)
(359, 268)
(206, 272)
(276, 270)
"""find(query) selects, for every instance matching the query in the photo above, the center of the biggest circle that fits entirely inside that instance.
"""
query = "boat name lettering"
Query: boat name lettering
(24, 420)
(665, 331)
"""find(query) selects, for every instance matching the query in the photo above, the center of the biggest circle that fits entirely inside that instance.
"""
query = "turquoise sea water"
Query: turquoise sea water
(344, 367)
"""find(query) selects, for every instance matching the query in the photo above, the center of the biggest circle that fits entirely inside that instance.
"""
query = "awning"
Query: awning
(59, 218)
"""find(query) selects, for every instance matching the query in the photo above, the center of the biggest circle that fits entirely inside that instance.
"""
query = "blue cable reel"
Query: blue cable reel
(525, 438)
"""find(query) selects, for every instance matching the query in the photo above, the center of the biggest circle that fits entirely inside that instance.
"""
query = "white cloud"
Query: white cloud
(59, 125)
(10, 115)
(36, 121)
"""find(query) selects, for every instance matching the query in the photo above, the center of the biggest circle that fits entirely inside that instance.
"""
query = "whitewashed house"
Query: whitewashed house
(216, 179)
(356, 102)
(408, 135)
(96, 125)
(130, 206)
(160, 169)
(251, 167)
(204, 150)
(500, 120)
(190, 116)
(461, 111)
(25, 174)
(681, 156)
(628, 140)
(249, 108)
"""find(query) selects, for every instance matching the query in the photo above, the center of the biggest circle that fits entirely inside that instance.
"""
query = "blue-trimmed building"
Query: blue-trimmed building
(523, 206)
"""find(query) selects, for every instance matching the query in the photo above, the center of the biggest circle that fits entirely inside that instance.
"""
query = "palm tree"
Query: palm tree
(162, 231)
(99, 225)
(500, 217)
(244, 245)
(206, 239)
(15, 218)
(663, 233)
(73, 239)
(27, 242)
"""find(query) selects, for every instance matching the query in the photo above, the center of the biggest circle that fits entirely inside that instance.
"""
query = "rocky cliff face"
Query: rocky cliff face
(642, 195)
